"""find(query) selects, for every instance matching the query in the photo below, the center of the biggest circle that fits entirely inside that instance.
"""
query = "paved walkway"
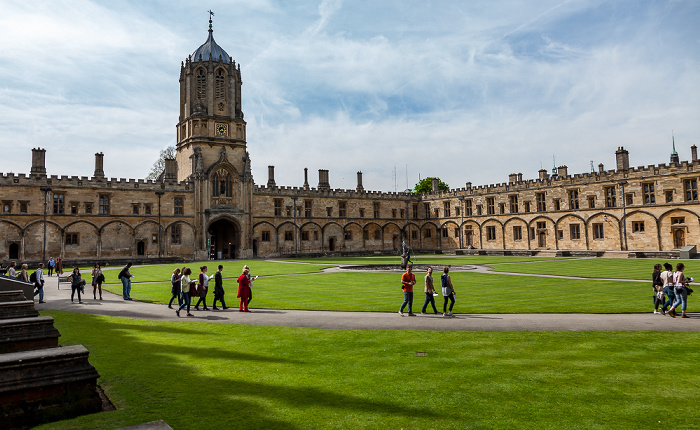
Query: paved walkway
(114, 305)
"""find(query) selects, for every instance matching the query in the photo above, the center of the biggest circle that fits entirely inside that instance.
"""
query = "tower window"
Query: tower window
(220, 85)
(223, 185)
(201, 84)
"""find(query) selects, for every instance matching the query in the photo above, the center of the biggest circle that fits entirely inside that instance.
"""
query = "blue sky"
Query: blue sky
(468, 91)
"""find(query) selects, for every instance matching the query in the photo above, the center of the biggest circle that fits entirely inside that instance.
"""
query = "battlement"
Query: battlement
(84, 181)
(334, 193)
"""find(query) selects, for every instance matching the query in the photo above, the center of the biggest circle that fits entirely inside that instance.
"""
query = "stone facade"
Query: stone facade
(206, 204)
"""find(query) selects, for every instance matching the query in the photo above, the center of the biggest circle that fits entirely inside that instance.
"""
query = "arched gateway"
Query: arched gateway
(224, 239)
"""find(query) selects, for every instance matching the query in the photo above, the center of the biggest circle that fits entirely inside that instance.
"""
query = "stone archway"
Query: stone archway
(224, 238)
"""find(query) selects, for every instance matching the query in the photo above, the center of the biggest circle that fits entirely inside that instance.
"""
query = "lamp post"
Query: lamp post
(159, 194)
(624, 221)
(46, 190)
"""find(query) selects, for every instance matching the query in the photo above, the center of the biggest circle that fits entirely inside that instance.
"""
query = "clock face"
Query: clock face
(221, 129)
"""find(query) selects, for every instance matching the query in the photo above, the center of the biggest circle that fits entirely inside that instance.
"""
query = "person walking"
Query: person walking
(76, 283)
(39, 282)
(448, 292)
(429, 292)
(219, 289)
(176, 288)
(23, 275)
(125, 276)
(59, 267)
(680, 289)
(97, 279)
(203, 288)
(408, 280)
(244, 289)
(250, 284)
(51, 265)
(186, 284)
(667, 279)
(657, 286)
(12, 272)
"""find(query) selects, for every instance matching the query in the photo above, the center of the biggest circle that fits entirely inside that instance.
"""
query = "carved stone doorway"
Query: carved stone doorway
(224, 236)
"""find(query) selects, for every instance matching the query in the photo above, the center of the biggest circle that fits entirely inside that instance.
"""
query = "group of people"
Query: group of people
(408, 280)
(671, 289)
(184, 288)
(55, 265)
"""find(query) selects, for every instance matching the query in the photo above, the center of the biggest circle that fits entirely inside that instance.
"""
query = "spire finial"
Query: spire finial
(211, 14)
(673, 139)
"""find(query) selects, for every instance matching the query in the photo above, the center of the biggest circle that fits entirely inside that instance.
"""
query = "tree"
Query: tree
(425, 185)
(159, 165)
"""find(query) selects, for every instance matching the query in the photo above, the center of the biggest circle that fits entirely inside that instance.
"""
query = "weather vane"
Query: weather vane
(211, 14)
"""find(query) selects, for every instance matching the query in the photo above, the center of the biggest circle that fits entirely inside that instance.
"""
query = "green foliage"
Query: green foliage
(159, 165)
(222, 376)
(425, 185)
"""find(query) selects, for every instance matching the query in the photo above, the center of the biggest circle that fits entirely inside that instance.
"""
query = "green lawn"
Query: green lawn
(615, 268)
(380, 292)
(435, 259)
(222, 376)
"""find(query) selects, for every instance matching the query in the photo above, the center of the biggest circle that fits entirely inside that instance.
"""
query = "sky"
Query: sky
(469, 91)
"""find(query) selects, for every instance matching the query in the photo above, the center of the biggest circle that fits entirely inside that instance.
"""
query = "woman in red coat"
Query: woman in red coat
(244, 289)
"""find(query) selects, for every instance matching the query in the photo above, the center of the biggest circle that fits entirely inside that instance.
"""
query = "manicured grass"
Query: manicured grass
(612, 268)
(476, 293)
(425, 259)
(222, 376)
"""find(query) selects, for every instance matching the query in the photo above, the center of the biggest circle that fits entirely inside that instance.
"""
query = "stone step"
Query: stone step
(12, 296)
(18, 309)
(27, 334)
(47, 385)
(14, 284)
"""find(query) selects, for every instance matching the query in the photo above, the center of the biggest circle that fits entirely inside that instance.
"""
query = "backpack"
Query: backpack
(32, 277)
(443, 281)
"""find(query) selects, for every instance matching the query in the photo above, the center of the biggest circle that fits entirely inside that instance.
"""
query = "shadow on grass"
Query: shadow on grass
(156, 382)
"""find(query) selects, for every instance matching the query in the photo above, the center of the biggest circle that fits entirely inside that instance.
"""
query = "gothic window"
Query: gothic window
(201, 84)
(175, 234)
(58, 203)
(220, 85)
(222, 184)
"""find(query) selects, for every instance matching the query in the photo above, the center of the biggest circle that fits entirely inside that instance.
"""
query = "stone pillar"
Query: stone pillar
(271, 177)
(359, 188)
(694, 153)
(306, 178)
(436, 185)
(623, 159)
(170, 172)
(38, 161)
(323, 183)
(543, 174)
(99, 166)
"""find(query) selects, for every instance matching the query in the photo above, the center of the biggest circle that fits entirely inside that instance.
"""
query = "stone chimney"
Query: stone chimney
(271, 177)
(520, 177)
(513, 178)
(543, 174)
(469, 185)
(323, 183)
(170, 172)
(99, 166)
(694, 153)
(38, 161)
(623, 159)
(563, 171)
(436, 185)
(360, 188)
(306, 178)
(601, 168)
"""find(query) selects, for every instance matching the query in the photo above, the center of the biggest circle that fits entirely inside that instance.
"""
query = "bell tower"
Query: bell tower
(211, 152)
(210, 107)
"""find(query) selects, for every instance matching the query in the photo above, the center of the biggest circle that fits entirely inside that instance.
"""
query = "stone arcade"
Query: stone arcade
(205, 204)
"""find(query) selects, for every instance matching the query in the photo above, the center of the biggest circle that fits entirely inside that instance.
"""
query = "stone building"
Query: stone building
(206, 204)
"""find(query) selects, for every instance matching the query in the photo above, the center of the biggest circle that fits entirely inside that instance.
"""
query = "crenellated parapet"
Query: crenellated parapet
(92, 182)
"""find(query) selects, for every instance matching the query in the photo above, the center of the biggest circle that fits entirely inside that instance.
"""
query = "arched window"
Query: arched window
(222, 185)
(201, 84)
(220, 85)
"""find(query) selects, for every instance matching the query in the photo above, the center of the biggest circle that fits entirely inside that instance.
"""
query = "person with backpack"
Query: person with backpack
(657, 286)
(680, 289)
(667, 279)
(176, 287)
(39, 282)
(125, 277)
(448, 292)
